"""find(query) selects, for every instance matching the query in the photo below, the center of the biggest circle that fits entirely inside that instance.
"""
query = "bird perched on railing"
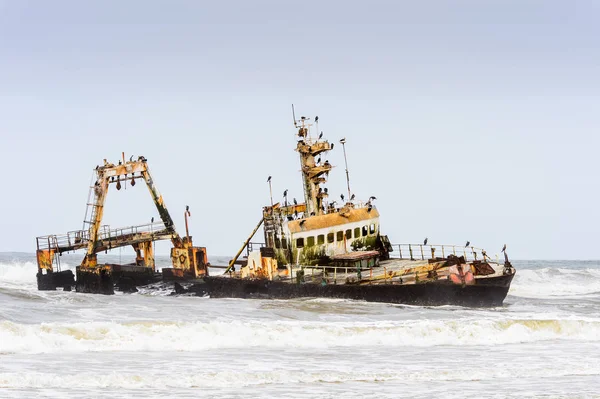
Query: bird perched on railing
(467, 244)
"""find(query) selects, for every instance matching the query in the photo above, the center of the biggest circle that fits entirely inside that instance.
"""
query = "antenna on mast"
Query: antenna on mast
(294, 116)
(343, 143)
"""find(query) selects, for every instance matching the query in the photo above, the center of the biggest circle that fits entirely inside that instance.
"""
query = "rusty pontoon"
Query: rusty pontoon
(189, 262)
(319, 248)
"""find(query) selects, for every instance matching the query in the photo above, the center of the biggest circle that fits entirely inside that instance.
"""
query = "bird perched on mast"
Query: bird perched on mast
(425, 241)
(503, 248)
(269, 179)
(320, 135)
(467, 244)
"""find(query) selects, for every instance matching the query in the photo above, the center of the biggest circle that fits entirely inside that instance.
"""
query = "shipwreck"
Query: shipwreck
(313, 248)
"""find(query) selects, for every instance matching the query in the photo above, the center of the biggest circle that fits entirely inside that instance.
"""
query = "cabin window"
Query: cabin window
(320, 239)
(277, 242)
(340, 236)
(300, 243)
(283, 242)
(372, 229)
(357, 232)
(364, 231)
(348, 234)
(310, 241)
(330, 238)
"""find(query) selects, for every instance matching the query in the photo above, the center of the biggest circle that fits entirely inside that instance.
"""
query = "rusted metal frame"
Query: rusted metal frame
(160, 206)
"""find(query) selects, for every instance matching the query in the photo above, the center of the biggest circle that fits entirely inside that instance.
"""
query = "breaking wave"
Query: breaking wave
(199, 336)
(554, 282)
(18, 272)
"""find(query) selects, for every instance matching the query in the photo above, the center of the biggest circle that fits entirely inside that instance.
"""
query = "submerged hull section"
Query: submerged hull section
(486, 292)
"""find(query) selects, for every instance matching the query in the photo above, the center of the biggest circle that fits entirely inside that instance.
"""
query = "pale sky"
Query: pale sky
(469, 120)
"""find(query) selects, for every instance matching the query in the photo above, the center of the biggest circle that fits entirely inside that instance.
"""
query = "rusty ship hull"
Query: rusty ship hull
(485, 293)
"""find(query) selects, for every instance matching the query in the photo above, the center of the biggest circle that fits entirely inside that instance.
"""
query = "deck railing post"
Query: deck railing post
(422, 256)
(400, 250)
(411, 253)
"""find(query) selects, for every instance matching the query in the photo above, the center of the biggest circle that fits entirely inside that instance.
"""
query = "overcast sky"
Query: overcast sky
(469, 120)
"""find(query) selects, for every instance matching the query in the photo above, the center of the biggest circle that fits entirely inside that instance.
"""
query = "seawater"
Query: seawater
(543, 342)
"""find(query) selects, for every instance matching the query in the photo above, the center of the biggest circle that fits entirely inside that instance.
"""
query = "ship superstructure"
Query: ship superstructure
(318, 229)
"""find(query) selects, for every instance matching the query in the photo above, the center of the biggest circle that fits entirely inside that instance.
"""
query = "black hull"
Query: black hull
(485, 293)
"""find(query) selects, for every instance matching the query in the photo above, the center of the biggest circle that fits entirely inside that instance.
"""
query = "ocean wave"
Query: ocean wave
(555, 282)
(199, 336)
(249, 378)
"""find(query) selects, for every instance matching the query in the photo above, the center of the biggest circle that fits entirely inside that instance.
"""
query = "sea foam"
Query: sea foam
(199, 336)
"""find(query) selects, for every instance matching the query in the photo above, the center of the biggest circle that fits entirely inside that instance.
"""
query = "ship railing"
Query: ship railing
(78, 239)
(73, 239)
(254, 246)
(341, 274)
(430, 251)
(106, 233)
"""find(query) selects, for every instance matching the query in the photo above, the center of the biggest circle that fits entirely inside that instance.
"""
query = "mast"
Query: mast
(314, 173)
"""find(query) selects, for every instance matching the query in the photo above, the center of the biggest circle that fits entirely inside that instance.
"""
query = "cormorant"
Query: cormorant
(352, 198)
(467, 244)
(332, 146)
(317, 119)
(295, 202)
(425, 241)
(320, 135)
(285, 193)
(131, 158)
(372, 198)
(504, 248)
(342, 196)
(269, 179)
(152, 220)
(325, 189)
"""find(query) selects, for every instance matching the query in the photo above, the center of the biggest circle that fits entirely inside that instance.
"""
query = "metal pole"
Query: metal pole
(271, 192)
(343, 142)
